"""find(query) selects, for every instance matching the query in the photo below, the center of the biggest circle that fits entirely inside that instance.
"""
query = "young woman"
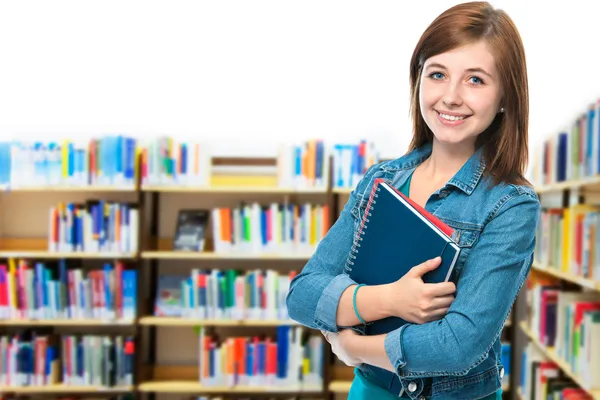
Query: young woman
(466, 162)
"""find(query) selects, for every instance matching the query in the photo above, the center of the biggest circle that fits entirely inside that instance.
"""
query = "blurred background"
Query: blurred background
(147, 147)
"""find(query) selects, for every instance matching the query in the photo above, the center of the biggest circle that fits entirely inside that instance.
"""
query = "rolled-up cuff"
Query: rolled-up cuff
(326, 311)
(394, 350)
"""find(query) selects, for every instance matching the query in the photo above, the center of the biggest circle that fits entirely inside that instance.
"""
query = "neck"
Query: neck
(445, 161)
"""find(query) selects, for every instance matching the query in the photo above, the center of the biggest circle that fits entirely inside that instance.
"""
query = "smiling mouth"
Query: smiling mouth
(449, 117)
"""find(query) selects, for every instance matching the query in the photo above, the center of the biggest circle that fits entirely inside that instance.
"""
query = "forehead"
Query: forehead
(475, 55)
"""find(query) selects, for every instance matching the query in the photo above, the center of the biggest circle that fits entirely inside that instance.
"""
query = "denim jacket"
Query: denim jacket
(458, 356)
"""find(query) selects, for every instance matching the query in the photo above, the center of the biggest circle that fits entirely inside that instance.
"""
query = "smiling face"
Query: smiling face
(460, 94)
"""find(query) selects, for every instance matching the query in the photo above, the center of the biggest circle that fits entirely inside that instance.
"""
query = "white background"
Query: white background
(246, 70)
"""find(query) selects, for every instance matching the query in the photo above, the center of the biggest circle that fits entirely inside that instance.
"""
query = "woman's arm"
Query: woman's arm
(489, 283)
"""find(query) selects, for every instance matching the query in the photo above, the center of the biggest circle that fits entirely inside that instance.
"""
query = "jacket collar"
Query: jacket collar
(467, 177)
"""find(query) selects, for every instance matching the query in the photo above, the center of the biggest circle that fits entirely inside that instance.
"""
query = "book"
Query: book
(190, 232)
(395, 235)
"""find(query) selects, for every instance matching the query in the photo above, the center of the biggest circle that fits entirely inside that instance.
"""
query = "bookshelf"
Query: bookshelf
(551, 354)
(565, 277)
(166, 353)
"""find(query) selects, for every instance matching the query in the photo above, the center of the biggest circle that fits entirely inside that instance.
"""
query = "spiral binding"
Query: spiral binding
(363, 226)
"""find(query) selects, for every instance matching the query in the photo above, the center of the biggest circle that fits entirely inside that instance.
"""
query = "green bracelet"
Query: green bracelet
(354, 304)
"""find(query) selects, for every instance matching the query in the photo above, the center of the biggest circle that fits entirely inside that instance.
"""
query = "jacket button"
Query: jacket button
(412, 387)
(501, 372)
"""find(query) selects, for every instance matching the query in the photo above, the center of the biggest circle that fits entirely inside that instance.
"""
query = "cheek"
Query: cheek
(483, 104)
(427, 96)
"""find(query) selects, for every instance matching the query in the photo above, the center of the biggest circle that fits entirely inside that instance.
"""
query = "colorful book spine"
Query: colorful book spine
(224, 295)
(98, 226)
(39, 291)
(29, 359)
(175, 162)
(303, 165)
(274, 228)
(568, 239)
(292, 359)
(351, 161)
(97, 360)
(571, 153)
(569, 323)
(105, 161)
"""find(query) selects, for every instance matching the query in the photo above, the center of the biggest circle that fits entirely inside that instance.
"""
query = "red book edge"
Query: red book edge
(432, 218)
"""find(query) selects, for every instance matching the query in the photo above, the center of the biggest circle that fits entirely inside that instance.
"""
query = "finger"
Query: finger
(425, 267)
(443, 302)
(441, 289)
(438, 314)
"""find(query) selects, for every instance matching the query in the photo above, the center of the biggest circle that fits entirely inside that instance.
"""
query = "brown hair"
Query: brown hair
(505, 140)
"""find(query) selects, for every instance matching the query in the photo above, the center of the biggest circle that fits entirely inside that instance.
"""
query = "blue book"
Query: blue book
(395, 235)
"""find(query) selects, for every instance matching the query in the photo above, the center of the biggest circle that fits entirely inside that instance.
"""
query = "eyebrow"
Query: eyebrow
(480, 70)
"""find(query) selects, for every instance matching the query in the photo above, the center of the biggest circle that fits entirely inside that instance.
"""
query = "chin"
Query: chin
(453, 140)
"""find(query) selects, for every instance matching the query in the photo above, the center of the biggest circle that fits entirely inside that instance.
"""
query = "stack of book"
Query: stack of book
(216, 294)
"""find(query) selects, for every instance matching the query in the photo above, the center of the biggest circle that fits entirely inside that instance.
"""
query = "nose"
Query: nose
(452, 97)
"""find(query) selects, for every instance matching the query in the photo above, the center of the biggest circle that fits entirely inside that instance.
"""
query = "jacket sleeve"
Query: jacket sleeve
(315, 292)
(491, 278)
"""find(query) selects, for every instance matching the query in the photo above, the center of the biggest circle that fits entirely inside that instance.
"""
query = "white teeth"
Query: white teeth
(451, 117)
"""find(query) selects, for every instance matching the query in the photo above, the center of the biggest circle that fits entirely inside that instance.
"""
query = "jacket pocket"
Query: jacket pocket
(465, 236)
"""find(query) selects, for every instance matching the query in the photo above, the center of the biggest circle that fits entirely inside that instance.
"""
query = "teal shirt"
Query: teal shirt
(362, 388)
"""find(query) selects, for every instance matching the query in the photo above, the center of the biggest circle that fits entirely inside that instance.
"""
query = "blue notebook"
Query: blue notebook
(395, 235)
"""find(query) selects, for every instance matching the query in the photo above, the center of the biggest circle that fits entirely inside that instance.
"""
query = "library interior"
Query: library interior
(167, 169)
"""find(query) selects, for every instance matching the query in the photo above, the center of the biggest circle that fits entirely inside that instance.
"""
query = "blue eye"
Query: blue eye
(436, 75)
(475, 80)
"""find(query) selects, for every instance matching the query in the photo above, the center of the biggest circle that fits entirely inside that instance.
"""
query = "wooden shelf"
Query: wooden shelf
(63, 322)
(38, 248)
(572, 184)
(553, 271)
(174, 321)
(343, 191)
(551, 354)
(46, 255)
(61, 388)
(340, 387)
(163, 249)
(232, 189)
(66, 188)
(197, 387)
(210, 255)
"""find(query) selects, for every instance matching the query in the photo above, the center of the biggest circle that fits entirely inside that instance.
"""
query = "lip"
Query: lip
(452, 113)
(451, 123)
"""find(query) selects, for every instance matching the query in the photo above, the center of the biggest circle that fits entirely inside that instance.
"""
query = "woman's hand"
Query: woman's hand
(344, 346)
(416, 301)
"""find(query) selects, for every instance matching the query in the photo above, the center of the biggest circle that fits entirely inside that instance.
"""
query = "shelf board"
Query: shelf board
(551, 354)
(197, 387)
(344, 191)
(62, 388)
(175, 321)
(231, 189)
(48, 255)
(67, 188)
(63, 322)
(340, 386)
(566, 276)
(210, 255)
(38, 248)
(571, 184)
